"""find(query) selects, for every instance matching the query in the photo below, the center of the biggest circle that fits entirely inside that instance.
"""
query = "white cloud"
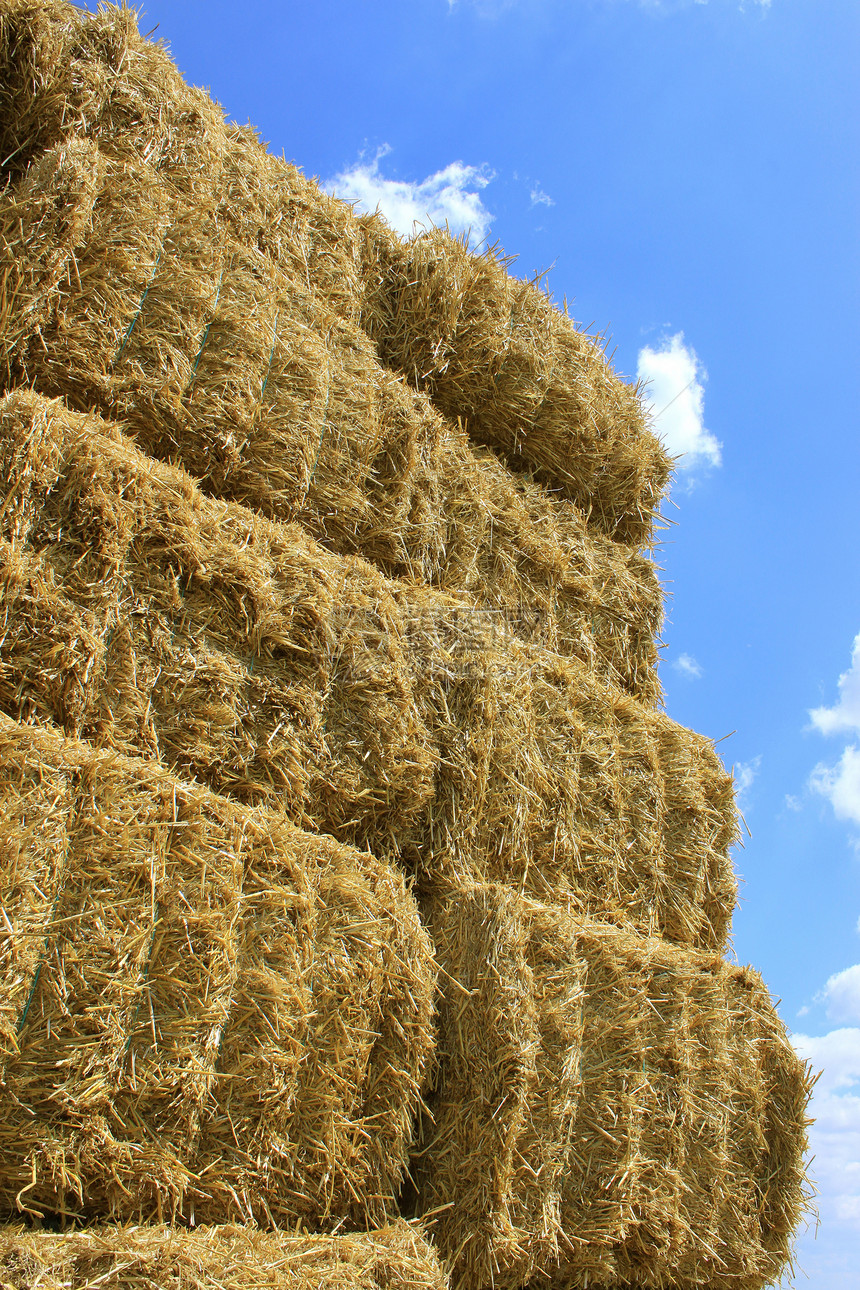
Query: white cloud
(835, 1135)
(451, 196)
(841, 996)
(841, 784)
(845, 715)
(675, 396)
(540, 198)
(745, 774)
(687, 665)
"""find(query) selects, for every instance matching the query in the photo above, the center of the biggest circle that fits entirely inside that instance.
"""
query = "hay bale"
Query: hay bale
(230, 1257)
(64, 71)
(206, 1013)
(211, 357)
(529, 556)
(608, 1110)
(494, 351)
(41, 223)
(564, 787)
(140, 615)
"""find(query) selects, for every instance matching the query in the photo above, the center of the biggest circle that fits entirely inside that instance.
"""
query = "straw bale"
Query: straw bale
(529, 556)
(312, 237)
(206, 1013)
(230, 1257)
(495, 352)
(147, 618)
(211, 357)
(63, 69)
(566, 787)
(608, 1110)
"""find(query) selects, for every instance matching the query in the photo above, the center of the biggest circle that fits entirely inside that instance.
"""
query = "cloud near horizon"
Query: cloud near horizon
(675, 395)
(451, 196)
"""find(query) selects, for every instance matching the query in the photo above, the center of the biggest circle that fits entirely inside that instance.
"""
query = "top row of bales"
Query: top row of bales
(490, 350)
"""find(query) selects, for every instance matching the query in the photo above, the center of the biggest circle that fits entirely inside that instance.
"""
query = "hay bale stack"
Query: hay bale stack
(207, 1013)
(494, 351)
(609, 1110)
(404, 601)
(230, 1257)
(199, 310)
(147, 618)
(213, 357)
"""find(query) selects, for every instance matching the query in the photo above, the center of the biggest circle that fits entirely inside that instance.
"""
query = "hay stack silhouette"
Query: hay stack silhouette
(354, 883)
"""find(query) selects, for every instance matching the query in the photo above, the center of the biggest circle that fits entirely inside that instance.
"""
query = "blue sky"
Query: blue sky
(689, 168)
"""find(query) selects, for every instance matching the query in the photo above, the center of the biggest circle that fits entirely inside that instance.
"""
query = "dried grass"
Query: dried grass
(142, 616)
(229, 1258)
(564, 787)
(495, 352)
(198, 306)
(609, 1110)
(207, 1014)
(145, 617)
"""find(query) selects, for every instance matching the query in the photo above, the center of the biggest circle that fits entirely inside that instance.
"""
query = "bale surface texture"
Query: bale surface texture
(143, 616)
(206, 1013)
(227, 1257)
(610, 1110)
(148, 618)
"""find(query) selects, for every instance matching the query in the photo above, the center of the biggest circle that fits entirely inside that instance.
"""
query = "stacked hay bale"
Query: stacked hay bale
(327, 668)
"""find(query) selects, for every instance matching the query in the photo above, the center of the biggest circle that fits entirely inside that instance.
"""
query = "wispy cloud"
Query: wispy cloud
(745, 774)
(840, 783)
(675, 395)
(687, 666)
(451, 196)
(540, 198)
